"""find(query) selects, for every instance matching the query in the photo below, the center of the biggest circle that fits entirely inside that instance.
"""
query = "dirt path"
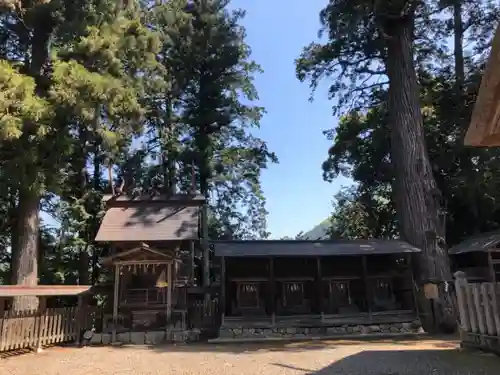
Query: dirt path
(430, 357)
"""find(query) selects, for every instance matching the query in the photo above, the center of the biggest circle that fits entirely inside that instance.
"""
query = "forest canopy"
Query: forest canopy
(450, 44)
(160, 94)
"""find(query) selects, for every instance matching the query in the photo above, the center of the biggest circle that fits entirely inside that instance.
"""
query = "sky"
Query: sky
(297, 197)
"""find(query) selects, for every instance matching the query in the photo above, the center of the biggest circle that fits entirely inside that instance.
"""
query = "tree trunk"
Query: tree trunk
(172, 174)
(167, 154)
(97, 186)
(416, 193)
(205, 246)
(203, 145)
(25, 257)
(458, 36)
(461, 114)
(81, 189)
(25, 264)
(13, 245)
(83, 272)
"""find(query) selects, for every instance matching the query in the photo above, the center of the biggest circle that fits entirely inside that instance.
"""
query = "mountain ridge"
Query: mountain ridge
(319, 232)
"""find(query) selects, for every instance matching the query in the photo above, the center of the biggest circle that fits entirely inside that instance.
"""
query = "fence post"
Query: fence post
(41, 326)
(470, 308)
(80, 318)
(460, 288)
(3, 328)
(493, 288)
(479, 308)
(487, 304)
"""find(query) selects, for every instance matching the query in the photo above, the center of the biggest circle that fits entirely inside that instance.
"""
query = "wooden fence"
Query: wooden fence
(479, 313)
(204, 316)
(34, 329)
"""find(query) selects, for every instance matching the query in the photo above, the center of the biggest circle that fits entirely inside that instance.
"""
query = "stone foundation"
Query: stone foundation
(145, 338)
(242, 332)
(304, 332)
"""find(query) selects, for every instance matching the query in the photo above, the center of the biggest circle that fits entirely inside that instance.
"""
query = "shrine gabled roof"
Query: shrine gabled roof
(141, 253)
(192, 199)
(267, 248)
(481, 242)
(149, 220)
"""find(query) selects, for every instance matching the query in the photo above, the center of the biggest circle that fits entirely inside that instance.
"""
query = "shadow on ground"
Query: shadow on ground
(448, 342)
(431, 356)
(340, 357)
(407, 362)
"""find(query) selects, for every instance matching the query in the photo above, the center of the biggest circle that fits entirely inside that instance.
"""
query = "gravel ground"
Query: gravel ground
(422, 357)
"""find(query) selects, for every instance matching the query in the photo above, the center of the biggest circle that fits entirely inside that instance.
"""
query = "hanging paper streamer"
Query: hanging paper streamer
(162, 280)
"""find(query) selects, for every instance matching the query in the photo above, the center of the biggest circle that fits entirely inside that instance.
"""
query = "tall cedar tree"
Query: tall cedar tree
(220, 72)
(361, 141)
(51, 90)
(377, 38)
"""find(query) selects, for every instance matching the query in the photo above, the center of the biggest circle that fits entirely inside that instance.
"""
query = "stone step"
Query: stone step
(360, 336)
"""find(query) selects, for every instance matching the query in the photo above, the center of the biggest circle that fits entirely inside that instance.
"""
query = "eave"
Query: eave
(484, 128)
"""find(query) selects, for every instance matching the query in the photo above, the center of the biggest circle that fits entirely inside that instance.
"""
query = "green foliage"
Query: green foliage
(465, 176)
(78, 89)
(157, 93)
(19, 103)
(361, 142)
(361, 215)
(202, 123)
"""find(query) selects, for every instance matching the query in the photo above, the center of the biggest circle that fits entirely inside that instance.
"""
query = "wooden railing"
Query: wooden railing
(34, 329)
(146, 296)
(479, 312)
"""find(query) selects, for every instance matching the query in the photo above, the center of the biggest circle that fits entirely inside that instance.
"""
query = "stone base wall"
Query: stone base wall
(145, 338)
(304, 332)
(242, 332)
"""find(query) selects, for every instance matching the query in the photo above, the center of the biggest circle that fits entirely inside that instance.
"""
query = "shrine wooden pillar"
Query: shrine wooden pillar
(368, 289)
(491, 267)
(272, 290)
(413, 286)
(191, 262)
(81, 316)
(319, 287)
(170, 281)
(116, 296)
(223, 288)
(3, 303)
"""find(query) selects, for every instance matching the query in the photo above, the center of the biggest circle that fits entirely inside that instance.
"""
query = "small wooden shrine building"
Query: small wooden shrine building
(152, 242)
(311, 283)
(478, 257)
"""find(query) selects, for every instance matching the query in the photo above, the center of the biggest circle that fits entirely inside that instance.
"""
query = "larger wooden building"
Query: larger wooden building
(315, 284)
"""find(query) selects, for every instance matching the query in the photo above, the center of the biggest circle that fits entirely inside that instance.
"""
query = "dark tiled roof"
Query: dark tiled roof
(312, 248)
(193, 199)
(481, 242)
(149, 221)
